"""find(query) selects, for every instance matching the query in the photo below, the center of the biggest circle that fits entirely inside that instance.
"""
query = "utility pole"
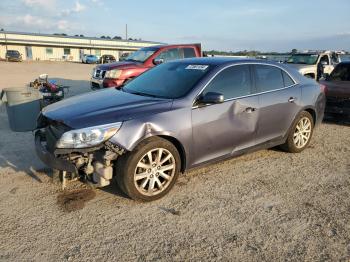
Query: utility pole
(126, 32)
(5, 41)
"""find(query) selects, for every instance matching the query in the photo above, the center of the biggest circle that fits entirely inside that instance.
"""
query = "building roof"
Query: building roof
(20, 38)
(76, 37)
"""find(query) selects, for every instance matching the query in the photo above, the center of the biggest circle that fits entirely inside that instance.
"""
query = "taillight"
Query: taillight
(323, 88)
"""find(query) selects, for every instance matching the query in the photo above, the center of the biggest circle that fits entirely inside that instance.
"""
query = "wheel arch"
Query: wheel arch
(312, 112)
(179, 148)
(178, 145)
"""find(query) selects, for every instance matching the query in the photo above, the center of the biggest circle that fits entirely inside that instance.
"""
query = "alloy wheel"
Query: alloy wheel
(302, 132)
(154, 172)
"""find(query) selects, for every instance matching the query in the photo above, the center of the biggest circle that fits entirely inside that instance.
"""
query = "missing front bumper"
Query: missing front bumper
(50, 159)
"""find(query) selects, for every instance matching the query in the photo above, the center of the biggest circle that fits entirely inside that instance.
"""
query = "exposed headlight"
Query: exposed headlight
(88, 137)
(113, 74)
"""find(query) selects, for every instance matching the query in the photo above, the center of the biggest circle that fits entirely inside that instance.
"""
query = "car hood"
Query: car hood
(104, 107)
(119, 65)
(301, 67)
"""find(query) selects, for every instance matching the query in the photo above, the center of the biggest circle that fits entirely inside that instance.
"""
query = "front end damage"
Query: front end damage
(94, 165)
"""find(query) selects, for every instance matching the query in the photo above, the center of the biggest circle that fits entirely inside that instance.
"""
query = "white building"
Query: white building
(57, 47)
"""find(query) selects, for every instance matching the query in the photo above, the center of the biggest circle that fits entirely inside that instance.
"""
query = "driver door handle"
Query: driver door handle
(250, 110)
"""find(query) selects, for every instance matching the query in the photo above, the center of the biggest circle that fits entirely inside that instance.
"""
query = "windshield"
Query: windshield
(141, 55)
(170, 80)
(12, 52)
(307, 59)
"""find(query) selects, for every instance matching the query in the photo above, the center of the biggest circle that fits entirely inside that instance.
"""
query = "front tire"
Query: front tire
(150, 170)
(300, 134)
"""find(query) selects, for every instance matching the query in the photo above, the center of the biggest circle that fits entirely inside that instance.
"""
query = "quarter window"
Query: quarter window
(232, 82)
(170, 54)
(268, 78)
(288, 81)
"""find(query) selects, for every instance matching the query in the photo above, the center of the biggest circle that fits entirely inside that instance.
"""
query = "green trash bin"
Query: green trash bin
(23, 106)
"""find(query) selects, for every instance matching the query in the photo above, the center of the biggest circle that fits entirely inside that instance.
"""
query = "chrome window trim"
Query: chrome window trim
(234, 98)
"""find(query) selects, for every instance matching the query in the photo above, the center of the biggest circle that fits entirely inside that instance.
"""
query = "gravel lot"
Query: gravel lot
(265, 206)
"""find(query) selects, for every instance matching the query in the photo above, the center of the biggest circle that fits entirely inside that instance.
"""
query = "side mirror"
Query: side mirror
(158, 61)
(211, 98)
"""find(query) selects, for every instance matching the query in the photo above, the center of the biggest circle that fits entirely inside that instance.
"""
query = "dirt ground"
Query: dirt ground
(265, 206)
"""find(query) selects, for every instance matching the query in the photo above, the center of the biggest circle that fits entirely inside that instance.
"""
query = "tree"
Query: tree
(117, 38)
(2, 29)
(294, 51)
(82, 36)
(103, 37)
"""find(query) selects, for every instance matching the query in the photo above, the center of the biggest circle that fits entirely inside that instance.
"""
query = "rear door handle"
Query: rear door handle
(292, 99)
(249, 110)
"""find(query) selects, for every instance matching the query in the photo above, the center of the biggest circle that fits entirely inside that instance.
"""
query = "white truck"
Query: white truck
(314, 64)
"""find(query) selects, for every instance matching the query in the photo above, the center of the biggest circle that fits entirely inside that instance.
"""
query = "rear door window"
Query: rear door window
(189, 52)
(268, 78)
(325, 59)
(170, 54)
(232, 82)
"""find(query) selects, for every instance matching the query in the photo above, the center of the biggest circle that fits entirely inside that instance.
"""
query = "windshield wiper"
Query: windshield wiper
(133, 60)
(143, 94)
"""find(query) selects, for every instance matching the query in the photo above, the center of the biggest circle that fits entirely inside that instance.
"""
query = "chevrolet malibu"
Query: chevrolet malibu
(177, 116)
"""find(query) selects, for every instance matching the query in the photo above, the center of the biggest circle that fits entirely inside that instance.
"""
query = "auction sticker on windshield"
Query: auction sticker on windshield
(197, 67)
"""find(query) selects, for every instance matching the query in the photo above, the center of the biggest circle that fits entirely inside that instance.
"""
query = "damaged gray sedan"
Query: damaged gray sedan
(175, 117)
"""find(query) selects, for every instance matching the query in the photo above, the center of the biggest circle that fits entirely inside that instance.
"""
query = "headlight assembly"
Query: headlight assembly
(88, 137)
(113, 74)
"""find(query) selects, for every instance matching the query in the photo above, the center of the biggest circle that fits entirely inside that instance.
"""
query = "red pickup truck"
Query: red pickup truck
(117, 74)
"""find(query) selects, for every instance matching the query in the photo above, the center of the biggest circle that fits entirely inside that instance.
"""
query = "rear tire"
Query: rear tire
(150, 171)
(300, 134)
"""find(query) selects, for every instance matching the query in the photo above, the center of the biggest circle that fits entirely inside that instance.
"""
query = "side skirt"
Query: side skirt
(265, 145)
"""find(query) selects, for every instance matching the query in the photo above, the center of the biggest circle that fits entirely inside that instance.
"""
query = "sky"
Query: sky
(227, 25)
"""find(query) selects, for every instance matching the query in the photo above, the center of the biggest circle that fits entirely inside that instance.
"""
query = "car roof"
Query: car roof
(217, 61)
(167, 46)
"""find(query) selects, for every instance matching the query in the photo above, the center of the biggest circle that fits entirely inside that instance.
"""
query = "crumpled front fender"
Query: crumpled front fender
(134, 131)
